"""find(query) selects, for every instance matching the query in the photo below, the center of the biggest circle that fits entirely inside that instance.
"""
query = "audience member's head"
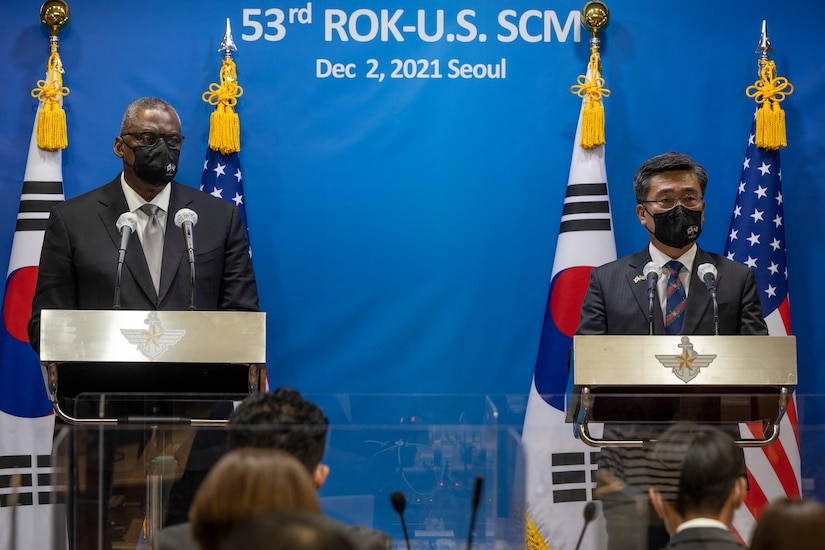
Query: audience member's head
(288, 531)
(284, 420)
(696, 472)
(247, 483)
(790, 523)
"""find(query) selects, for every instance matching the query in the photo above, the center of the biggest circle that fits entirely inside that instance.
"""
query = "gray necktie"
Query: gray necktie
(153, 243)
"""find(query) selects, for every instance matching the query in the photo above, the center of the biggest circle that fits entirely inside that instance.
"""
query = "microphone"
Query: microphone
(399, 502)
(476, 503)
(126, 224)
(589, 514)
(708, 273)
(186, 219)
(651, 272)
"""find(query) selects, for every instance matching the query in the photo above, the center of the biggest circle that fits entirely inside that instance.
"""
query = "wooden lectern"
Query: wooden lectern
(665, 379)
(207, 353)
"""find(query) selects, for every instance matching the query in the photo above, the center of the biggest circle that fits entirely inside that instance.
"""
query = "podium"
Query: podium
(207, 353)
(665, 379)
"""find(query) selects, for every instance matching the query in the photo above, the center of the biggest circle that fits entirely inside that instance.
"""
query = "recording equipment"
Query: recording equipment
(476, 503)
(589, 513)
(399, 502)
(651, 272)
(708, 274)
(126, 224)
(186, 219)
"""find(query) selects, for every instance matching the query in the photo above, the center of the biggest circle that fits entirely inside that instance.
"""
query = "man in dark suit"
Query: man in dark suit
(283, 420)
(697, 485)
(78, 267)
(670, 190)
(80, 248)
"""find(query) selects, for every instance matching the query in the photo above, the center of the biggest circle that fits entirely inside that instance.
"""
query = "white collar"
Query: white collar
(701, 522)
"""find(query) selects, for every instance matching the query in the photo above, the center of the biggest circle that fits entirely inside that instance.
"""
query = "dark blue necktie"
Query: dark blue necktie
(675, 299)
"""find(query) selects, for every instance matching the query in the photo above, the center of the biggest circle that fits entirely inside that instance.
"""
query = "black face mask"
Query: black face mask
(678, 227)
(156, 164)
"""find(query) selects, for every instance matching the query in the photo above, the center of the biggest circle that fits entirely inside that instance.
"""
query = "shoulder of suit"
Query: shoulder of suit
(620, 263)
(101, 194)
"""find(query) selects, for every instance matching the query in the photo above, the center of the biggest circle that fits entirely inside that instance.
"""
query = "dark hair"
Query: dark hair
(283, 420)
(790, 523)
(144, 104)
(288, 531)
(246, 483)
(668, 162)
(695, 468)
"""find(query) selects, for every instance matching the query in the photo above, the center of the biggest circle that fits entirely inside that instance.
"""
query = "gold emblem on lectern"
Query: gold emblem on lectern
(154, 341)
(686, 365)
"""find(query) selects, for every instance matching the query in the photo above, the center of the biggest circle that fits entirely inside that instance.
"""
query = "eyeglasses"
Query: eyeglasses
(666, 203)
(173, 141)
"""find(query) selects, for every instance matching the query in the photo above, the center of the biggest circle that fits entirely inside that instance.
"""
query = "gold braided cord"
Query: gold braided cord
(534, 539)
(51, 118)
(224, 125)
(591, 88)
(769, 91)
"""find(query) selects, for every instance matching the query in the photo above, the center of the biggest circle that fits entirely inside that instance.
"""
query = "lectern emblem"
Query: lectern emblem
(686, 365)
(154, 341)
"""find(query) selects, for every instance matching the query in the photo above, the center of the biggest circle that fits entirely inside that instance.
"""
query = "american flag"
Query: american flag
(222, 178)
(757, 239)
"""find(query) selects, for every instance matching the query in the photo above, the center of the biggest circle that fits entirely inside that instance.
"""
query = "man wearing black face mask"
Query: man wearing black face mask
(78, 266)
(79, 256)
(670, 190)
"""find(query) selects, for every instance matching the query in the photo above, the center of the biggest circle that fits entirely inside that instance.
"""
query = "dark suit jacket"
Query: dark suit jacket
(704, 538)
(78, 262)
(617, 302)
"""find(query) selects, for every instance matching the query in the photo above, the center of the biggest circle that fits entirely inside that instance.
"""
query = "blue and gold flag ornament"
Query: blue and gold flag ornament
(594, 18)
(769, 91)
(51, 118)
(224, 125)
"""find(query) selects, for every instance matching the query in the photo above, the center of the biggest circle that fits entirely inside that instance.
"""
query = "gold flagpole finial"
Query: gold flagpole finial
(594, 17)
(769, 91)
(224, 125)
(51, 118)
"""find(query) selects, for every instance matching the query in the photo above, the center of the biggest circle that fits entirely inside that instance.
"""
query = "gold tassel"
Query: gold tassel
(534, 539)
(591, 86)
(51, 119)
(224, 125)
(769, 91)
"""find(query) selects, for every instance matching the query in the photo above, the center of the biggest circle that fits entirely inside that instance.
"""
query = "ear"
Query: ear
(740, 490)
(664, 510)
(320, 475)
(117, 147)
(641, 213)
(658, 502)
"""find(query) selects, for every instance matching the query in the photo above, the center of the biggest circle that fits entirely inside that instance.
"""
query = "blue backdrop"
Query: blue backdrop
(403, 228)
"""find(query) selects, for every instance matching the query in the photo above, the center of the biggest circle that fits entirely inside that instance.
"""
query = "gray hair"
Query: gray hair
(144, 103)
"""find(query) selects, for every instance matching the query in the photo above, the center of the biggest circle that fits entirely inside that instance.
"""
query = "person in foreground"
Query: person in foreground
(288, 531)
(797, 523)
(283, 420)
(78, 262)
(698, 482)
(669, 191)
(247, 483)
